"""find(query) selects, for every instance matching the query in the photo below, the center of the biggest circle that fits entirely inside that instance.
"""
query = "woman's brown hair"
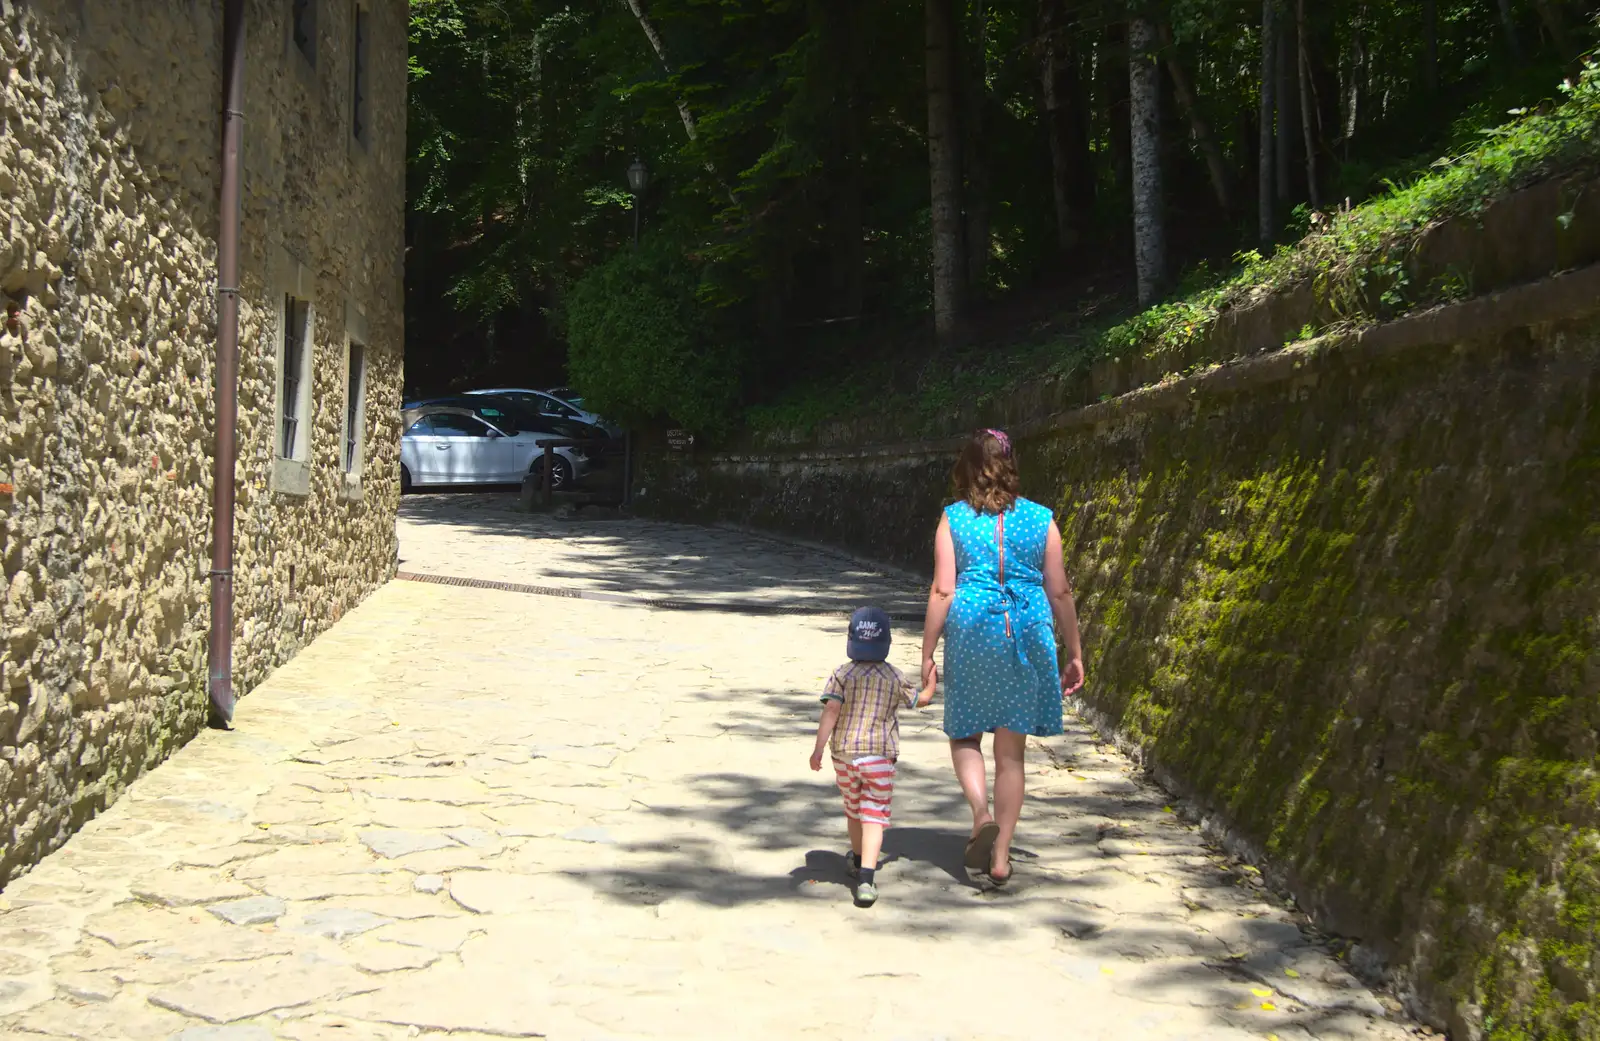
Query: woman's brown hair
(986, 472)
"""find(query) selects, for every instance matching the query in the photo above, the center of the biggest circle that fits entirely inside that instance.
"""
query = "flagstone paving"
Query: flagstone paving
(502, 815)
(487, 536)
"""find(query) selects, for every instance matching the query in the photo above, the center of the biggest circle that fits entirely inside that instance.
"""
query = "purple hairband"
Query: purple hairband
(1000, 436)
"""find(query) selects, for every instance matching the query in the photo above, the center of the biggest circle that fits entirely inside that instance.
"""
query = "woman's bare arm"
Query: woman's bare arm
(1059, 591)
(939, 595)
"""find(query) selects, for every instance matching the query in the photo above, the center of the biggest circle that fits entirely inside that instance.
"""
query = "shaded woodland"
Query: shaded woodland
(830, 180)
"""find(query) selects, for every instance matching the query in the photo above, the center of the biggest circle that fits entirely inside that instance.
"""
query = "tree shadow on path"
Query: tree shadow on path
(646, 558)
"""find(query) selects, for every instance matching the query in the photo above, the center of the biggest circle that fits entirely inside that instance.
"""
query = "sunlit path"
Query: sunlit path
(513, 815)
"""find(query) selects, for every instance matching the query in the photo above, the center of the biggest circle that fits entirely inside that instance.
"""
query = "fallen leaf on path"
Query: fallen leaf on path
(1261, 992)
(1291, 974)
(1267, 1006)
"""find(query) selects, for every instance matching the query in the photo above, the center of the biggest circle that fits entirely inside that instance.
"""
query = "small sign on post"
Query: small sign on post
(680, 440)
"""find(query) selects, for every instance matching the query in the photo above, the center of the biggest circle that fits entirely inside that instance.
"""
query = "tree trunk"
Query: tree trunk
(974, 164)
(944, 170)
(1556, 26)
(1183, 88)
(1358, 63)
(1430, 45)
(1509, 24)
(1144, 94)
(1308, 119)
(1060, 76)
(841, 36)
(1114, 65)
(1287, 105)
(1269, 81)
(1080, 132)
(690, 126)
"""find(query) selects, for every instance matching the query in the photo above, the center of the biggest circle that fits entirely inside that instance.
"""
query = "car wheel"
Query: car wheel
(405, 480)
(561, 473)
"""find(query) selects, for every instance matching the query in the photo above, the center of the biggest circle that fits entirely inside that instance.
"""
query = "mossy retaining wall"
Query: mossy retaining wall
(1347, 597)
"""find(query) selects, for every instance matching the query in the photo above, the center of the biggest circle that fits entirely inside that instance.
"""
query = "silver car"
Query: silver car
(443, 446)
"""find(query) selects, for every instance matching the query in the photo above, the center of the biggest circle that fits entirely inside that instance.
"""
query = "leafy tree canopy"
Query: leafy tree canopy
(787, 222)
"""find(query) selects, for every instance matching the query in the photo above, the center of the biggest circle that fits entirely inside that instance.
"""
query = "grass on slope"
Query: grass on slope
(1356, 259)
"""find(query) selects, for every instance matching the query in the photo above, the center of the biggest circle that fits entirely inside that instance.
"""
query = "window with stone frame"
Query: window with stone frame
(358, 77)
(293, 393)
(355, 406)
(303, 27)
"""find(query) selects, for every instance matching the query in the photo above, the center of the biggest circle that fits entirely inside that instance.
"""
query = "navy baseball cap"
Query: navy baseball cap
(869, 635)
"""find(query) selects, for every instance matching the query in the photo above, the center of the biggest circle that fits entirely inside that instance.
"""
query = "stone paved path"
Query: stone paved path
(486, 536)
(499, 814)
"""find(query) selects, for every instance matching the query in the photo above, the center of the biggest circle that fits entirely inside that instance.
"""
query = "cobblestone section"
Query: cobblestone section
(504, 815)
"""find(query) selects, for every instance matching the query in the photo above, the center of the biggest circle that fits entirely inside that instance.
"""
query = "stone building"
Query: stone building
(111, 123)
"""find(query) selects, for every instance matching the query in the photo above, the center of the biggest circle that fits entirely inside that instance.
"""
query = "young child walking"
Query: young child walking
(860, 723)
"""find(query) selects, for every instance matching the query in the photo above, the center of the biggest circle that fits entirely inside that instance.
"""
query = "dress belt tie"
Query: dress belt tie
(1000, 545)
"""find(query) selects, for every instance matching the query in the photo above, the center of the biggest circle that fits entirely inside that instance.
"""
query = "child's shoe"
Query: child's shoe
(866, 894)
(852, 864)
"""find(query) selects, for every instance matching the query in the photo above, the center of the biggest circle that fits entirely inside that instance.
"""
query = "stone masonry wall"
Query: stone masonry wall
(109, 176)
(1345, 596)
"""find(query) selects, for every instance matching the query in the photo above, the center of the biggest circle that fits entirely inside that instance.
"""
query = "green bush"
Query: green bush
(641, 348)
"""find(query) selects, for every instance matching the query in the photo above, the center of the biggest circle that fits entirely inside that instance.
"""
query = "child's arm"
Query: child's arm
(831, 707)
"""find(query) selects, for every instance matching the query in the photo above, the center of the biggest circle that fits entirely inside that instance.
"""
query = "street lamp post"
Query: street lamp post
(638, 181)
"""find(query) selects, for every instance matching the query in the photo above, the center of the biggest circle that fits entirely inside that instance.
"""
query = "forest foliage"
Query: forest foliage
(840, 188)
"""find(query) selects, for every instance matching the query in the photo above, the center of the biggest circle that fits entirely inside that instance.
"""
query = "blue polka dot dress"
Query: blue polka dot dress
(1000, 665)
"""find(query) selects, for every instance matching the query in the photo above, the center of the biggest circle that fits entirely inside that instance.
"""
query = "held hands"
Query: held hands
(930, 680)
(1071, 676)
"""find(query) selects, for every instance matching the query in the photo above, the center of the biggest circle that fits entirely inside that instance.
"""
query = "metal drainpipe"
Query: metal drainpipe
(219, 649)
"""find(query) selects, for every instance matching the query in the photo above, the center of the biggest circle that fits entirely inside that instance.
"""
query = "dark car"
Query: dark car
(518, 414)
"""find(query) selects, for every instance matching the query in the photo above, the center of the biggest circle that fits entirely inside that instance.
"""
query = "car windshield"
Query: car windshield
(500, 412)
(501, 419)
(453, 424)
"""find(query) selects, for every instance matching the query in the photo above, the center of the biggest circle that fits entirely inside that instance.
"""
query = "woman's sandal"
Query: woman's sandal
(980, 848)
(1000, 883)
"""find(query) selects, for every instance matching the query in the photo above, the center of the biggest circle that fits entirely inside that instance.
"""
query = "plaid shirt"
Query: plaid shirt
(872, 693)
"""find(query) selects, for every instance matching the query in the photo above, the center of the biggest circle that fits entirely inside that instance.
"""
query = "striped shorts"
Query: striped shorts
(867, 785)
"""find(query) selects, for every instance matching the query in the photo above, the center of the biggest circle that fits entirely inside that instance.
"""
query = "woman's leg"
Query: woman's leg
(1009, 749)
(966, 753)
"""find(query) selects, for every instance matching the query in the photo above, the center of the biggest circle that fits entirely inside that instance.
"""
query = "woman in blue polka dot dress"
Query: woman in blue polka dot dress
(998, 583)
